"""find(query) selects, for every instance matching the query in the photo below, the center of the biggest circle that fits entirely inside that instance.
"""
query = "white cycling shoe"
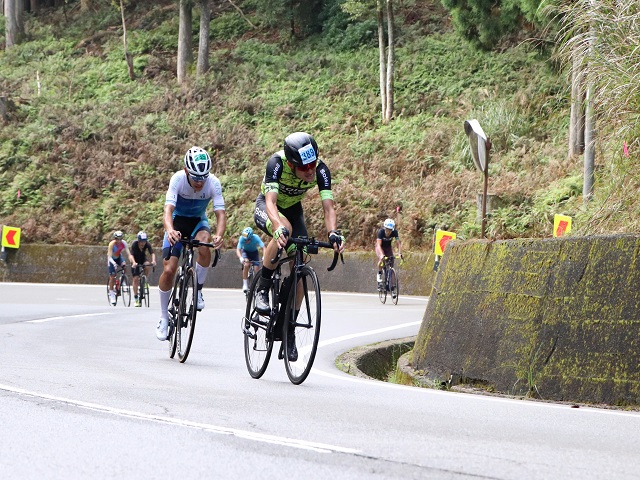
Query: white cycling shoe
(162, 329)
(200, 300)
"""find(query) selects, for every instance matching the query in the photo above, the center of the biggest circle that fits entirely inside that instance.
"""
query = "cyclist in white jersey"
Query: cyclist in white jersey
(190, 191)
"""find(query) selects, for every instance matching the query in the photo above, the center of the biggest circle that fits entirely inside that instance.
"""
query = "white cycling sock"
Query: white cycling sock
(201, 274)
(164, 303)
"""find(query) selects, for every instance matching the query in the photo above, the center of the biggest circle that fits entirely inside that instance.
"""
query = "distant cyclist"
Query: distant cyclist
(190, 191)
(289, 174)
(139, 250)
(116, 248)
(386, 235)
(247, 251)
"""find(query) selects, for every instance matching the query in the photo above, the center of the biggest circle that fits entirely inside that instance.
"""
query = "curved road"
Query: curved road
(86, 391)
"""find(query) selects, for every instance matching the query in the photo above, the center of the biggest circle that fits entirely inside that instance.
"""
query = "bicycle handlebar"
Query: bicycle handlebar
(188, 242)
(312, 242)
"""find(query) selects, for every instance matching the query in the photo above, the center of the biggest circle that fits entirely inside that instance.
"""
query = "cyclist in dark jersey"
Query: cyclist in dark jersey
(386, 235)
(139, 250)
(290, 173)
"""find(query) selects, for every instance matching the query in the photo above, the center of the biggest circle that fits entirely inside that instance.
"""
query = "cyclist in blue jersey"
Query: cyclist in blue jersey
(190, 191)
(247, 251)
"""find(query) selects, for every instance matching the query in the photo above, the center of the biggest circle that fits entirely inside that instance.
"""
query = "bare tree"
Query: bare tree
(386, 48)
(34, 6)
(391, 60)
(185, 53)
(127, 55)
(382, 57)
(12, 13)
(203, 46)
(576, 119)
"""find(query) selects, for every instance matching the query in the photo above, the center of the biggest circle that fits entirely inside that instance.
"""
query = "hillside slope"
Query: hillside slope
(85, 151)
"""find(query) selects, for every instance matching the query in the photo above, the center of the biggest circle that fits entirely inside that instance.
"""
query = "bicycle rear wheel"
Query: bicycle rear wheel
(306, 325)
(382, 287)
(173, 308)
(258, 342)
(125, 290)
(394, 286)
(144, 290)
(187, 317)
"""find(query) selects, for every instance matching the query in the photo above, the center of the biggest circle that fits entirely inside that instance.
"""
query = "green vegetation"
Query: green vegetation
(85, 151)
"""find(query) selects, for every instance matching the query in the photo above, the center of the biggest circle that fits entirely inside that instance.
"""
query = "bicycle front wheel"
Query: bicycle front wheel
(187, 316)
(258, 342)
(302, 326)
(394, 286)
(173, 309)
(125, 291)
(144, 290)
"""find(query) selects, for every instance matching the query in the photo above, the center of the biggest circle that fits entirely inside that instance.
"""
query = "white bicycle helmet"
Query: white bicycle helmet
(118, 234)
(142, 235)
(390, 224)
(197, 162)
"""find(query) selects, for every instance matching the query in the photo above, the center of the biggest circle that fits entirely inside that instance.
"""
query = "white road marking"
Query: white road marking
(258, 437)
(50, 319)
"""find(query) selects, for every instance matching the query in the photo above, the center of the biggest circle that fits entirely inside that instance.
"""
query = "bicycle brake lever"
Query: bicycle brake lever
(216, 257)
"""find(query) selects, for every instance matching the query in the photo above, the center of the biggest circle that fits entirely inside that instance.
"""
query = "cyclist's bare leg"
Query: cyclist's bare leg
(136, 284)
(204, 253)
(165, 284)
(112, 279)
(245, 269)
(168, 273)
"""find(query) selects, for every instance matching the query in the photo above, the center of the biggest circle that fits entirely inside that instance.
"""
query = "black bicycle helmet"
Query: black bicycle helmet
(300, 149)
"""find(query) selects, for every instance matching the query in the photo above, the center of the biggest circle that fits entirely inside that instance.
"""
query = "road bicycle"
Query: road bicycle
(390, 281)
(251, 273)
(295, 306)
(121, 286)
(183, 300)
(143, 286)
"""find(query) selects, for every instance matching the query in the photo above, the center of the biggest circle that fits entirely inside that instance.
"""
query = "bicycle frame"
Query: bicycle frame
(179, 316)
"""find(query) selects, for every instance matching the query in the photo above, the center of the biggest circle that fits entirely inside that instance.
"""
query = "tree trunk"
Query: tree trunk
(576, 120)
(383, 64)
(127, 55)
(12, 31)
(35, 6)
(85, 4)
(589, 148)
(391, 51)
(185, 55)
(203, 46)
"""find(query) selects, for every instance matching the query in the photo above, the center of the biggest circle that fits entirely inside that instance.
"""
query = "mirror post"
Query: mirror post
(480, 146)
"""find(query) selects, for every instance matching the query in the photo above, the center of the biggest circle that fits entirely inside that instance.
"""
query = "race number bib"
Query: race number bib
(307, 154)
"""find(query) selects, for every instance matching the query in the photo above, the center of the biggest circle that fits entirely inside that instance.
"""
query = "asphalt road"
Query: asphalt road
(86, 391)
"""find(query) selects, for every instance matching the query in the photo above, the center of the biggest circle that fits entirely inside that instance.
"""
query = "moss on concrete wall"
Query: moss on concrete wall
(555, 318)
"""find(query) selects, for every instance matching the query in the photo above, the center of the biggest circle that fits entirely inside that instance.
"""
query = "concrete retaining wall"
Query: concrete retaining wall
(554, 318)
(88, 264)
